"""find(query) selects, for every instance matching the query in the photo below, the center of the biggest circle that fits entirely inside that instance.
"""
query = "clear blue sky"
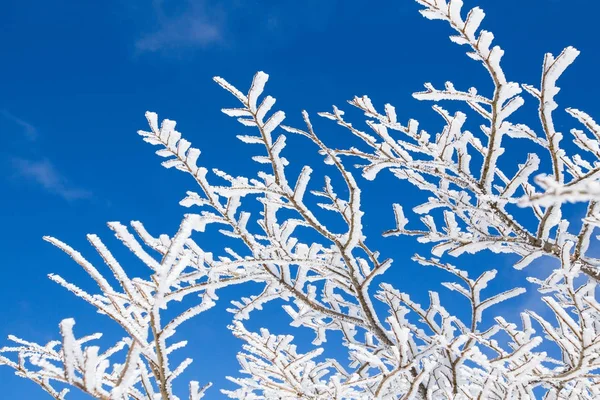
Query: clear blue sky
(77, 76)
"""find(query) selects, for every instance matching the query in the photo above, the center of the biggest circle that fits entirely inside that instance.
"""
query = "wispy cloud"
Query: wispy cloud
(36, 170)
(196, 26)
(45, 174)
(28, 129)
(192, 24)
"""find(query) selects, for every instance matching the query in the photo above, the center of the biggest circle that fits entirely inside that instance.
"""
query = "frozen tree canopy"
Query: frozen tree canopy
(323, 272)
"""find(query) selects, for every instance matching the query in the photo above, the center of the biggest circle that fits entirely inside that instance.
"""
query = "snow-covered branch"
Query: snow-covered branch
(331, 280)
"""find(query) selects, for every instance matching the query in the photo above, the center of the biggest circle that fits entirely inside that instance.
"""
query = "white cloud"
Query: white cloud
(28, 129)
(197, 26)
(41, 172)
(45, 174)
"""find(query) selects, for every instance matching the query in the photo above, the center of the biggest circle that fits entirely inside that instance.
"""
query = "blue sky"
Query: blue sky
(77, 77)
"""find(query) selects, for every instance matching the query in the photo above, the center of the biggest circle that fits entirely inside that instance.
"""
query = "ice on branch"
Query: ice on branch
(136, 304)
(75, 362)
(297, 232)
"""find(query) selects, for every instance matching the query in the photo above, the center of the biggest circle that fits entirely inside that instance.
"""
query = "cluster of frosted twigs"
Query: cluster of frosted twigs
(323, 272)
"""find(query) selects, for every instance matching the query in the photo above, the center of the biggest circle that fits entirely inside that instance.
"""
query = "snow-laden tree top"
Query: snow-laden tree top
(323, 272)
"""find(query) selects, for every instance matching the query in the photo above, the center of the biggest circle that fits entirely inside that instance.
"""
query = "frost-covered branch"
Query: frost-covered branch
(478, 208)
(136, 305)
(331, 280)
